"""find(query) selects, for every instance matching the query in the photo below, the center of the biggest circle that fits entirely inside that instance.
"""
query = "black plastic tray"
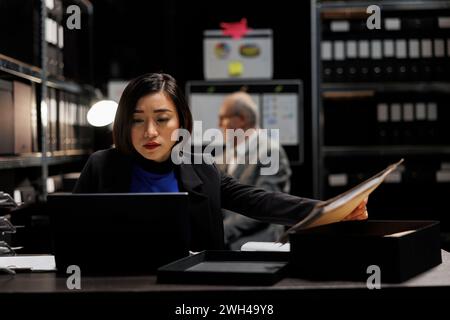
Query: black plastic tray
(226, 267)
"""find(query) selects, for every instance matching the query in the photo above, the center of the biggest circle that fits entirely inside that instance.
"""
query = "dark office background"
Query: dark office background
(370, 98)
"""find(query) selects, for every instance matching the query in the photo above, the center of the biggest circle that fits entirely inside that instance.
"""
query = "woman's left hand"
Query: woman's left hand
(360, 213)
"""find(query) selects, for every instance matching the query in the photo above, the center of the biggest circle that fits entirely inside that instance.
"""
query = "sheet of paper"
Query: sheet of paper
(32, 262)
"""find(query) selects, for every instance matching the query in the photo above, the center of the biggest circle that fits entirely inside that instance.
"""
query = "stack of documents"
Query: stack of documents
(28, 263)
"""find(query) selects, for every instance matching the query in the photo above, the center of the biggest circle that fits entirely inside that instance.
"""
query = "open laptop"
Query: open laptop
(119, 233)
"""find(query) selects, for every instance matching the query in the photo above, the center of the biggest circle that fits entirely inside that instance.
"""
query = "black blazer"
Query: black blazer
(108, 171)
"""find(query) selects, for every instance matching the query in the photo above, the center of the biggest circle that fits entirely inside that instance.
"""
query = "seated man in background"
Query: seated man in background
(239, 111)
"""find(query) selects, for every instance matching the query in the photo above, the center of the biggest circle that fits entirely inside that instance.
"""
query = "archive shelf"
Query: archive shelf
(65, 116)
(364, 121)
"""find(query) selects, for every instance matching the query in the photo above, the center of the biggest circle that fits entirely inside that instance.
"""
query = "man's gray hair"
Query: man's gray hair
(243, 104)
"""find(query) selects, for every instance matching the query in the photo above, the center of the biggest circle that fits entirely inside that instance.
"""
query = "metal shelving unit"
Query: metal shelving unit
(39, 75)
(327, 91)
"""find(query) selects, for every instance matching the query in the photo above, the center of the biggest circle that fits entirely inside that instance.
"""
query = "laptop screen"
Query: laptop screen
(119, 233)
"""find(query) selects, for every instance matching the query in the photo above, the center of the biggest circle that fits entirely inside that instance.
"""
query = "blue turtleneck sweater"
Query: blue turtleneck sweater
(150, 176)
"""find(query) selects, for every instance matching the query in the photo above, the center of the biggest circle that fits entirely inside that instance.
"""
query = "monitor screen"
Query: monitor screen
(280, 104)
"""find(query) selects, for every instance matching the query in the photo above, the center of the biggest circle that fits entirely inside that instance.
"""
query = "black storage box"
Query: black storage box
(344, 250)
(227, 268)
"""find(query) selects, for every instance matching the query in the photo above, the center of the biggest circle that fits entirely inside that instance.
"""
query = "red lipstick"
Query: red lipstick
(151, 145)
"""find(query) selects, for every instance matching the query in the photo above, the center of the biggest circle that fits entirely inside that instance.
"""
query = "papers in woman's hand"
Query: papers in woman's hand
(337, 208)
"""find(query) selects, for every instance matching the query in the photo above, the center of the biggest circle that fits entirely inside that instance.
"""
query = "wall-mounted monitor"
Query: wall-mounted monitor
(280, 104)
